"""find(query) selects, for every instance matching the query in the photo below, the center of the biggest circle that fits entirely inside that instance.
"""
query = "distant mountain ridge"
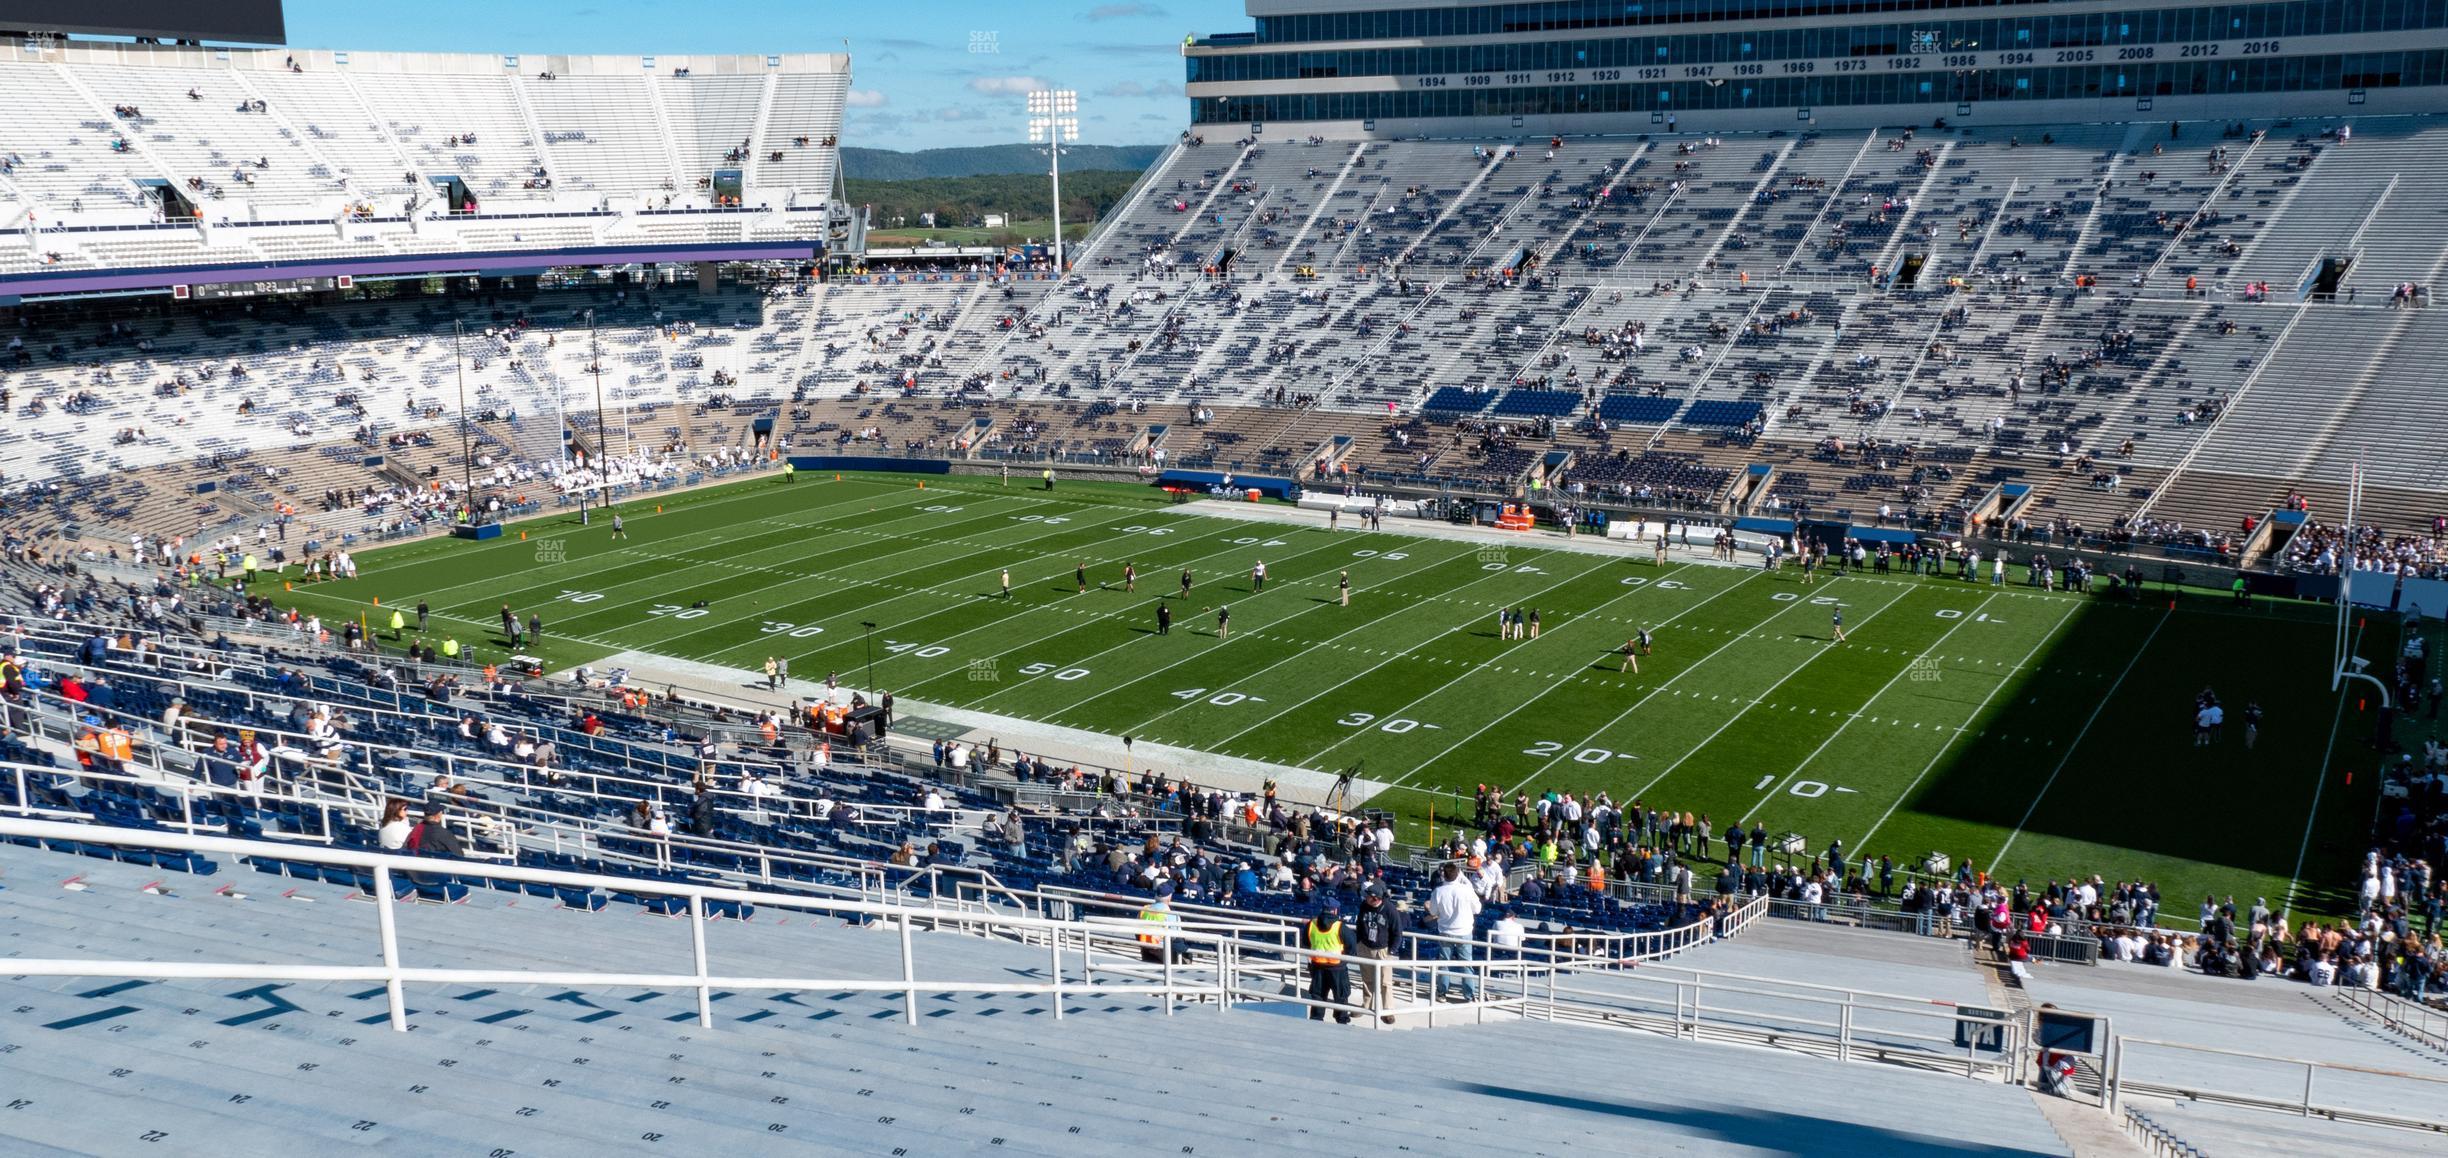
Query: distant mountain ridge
(983, 160)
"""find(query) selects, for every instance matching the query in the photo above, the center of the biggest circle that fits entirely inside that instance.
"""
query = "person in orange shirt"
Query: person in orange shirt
(1597, 876)
(117, 745)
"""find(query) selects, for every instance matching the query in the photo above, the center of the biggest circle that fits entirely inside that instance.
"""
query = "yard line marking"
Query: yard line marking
(589, 610)
(2336, 721)
(1739, 713)
(587, 579)
(671, 549)
(2062, 761)
(1304, 761)
(944, 588)
(1287, 659)
(1560, 681)
(801, 547)
(2004, 678)
(1255, 631)
(1666, 686)
(1935, 644)
(642, 550)
(1372, 669)
(1270, 667)
(964, 603)
(906, 592)
(744, 493)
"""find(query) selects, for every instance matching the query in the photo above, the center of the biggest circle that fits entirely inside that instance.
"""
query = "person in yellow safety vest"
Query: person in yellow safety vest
(1155, 943)
(399, 624)
(790, 472)
(1049, 478)
(248, 567)
(1329, 977)
(450, 648)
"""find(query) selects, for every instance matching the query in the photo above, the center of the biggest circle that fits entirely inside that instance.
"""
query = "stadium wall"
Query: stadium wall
(497, 263)
(871, 462)
(2264, 106)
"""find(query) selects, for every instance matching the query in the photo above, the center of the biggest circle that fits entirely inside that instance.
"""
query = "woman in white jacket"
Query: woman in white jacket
(393, 835)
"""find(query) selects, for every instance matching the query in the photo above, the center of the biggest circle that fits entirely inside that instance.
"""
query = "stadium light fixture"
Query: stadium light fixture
(467, 453)
(871, 688)
(595, 364)
(1054, 122)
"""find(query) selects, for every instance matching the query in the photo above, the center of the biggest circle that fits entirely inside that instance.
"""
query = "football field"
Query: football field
(2039, 735)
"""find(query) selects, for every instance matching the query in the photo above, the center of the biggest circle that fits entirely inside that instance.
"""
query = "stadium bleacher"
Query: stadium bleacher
(563, 1065)
(290, 155)
(1855, 319)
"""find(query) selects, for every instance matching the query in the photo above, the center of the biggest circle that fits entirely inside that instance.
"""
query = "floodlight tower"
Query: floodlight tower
(1054, 122)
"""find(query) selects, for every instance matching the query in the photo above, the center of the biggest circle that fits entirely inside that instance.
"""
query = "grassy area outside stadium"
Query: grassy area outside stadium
(2037, 734)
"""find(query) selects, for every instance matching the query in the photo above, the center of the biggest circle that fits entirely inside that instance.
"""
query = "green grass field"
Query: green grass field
(2040, 734)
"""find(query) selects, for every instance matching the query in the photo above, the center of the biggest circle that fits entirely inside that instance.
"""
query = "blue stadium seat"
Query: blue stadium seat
(1638, 409)
(1537, 403)
(1721, 412)
(1455, 400)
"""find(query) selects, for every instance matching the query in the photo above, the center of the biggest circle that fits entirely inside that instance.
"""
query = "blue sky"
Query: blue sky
(924, 75)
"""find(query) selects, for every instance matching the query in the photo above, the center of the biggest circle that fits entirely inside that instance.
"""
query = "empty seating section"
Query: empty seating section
(1710, 189)
(246, 161)
(337, 158)
(2401, 242)
(1637, 409)
(713, 115)
(337, 126)
(60, 148)
(1457, 400)
(1721, 413)
(2077, 311)
(601, 133)
(807, 111)
(1830, 210)
(2361, 390)
(1536, 404)
(470, 130)
(363, 375)
(1411, 185)
(2150, 202)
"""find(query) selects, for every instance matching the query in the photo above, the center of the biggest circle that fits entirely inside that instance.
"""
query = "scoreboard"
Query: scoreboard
(258, 289)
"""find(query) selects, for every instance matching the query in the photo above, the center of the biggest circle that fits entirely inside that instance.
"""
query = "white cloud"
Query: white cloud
(1005, 85)
(865, 98)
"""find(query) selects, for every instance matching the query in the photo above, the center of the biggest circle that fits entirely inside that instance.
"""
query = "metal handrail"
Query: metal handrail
(1681, 1007)
(1225, 979)
(1612, 949)
(2431, 1091)
(2158, 1139)
(2410, 1018)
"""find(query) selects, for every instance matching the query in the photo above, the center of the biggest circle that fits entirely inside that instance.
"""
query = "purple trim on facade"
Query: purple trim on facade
(163, 277)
